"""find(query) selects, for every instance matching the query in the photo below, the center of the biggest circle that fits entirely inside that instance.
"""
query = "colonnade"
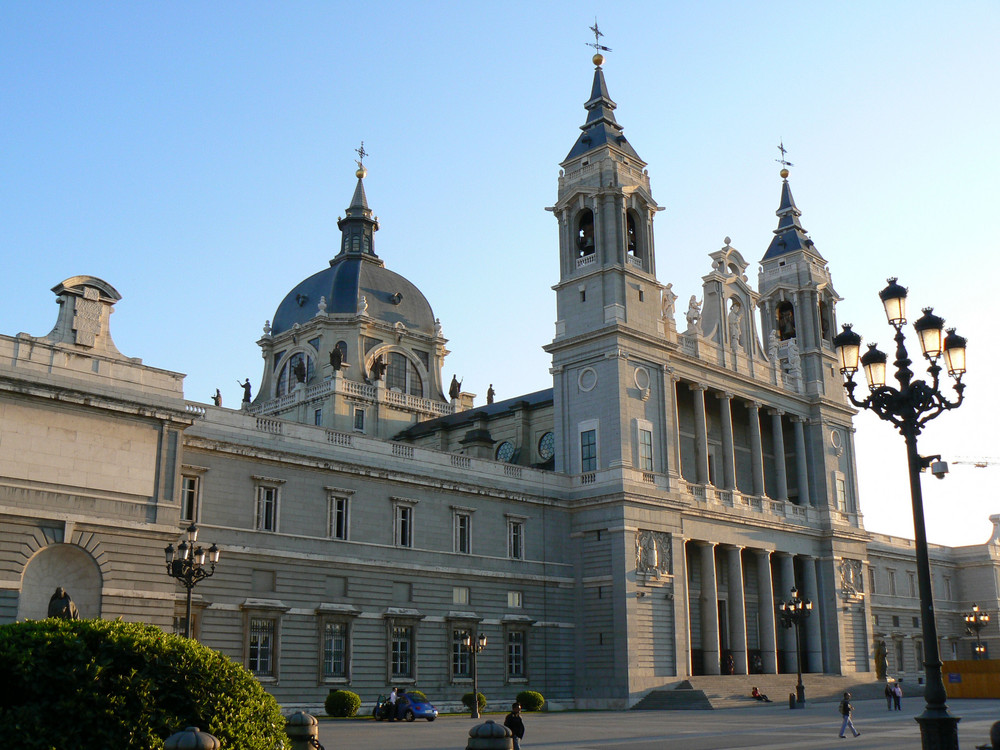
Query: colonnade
(775, 577)
(728, 479)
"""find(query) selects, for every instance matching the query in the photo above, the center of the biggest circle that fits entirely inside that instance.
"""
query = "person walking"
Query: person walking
(846, 710)
(514, 723)
(888, 697)
(897, 696)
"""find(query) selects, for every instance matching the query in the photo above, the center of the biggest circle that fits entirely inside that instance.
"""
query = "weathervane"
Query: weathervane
(361, 155)
(596, 44)
(782, 161)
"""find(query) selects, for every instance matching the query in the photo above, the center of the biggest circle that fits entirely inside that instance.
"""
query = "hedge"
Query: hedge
(100, 684)
(530, 700)
(467, 701)
(342, 703)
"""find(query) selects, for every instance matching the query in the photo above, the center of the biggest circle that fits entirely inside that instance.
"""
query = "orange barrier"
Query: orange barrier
(972, 679)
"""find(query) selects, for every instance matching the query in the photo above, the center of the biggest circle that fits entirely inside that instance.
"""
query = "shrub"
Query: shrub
(467, 701)
(530, 700)
(99, 684)
(342, 703)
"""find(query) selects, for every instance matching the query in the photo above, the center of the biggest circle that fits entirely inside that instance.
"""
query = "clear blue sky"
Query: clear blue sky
(197, 155)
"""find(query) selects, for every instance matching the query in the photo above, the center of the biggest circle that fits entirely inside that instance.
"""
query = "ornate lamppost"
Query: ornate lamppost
(909, 407)
(474, 648)
(187, 565)
(975, 621)
(793, 613)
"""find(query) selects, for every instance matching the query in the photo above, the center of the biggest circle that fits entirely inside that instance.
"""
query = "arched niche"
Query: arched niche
(784, 320)
(65, 565)
(585, 233)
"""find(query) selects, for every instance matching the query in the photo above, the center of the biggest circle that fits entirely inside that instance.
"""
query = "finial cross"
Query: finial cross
(361, 155)
(782, 161)
(596, 44)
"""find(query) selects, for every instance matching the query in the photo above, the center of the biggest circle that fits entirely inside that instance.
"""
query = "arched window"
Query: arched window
(631, 236)
(401, 375)
(826, 321)
(585, 233)
(298, 367)
(785, 320)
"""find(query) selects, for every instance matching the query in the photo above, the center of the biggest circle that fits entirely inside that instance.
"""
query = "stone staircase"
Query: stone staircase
(717, 691)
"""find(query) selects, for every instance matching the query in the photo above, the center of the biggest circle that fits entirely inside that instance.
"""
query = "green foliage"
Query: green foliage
(342, 703)
(99, 684)
(417, 694)
(530, 700)
(467, 701)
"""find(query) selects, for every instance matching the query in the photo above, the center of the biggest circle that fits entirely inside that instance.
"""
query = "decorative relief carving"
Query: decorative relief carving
(851, 581)
(653, 553)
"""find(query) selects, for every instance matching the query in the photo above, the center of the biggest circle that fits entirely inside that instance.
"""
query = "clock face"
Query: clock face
(547, 446)
(505, 451)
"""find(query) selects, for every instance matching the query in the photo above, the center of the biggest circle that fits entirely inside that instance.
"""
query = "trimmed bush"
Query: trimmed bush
(530, 700)
(467, 701)
(342, 703)
(99, 684)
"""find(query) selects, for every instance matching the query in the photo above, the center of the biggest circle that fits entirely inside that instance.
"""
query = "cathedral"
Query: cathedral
(634, 525)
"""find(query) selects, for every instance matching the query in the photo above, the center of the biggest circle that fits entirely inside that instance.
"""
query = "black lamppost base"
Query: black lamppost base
(800, 694)
(938, 732)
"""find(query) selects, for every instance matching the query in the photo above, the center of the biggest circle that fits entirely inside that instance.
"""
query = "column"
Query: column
(709, 610)
(785, 593)
(765, 612)
(812, 648)
(728, 451)
(674, 448)
(700, 433)
(737, 611)
(682, 606)
(756, 449)
(779, 453)
(801, 461)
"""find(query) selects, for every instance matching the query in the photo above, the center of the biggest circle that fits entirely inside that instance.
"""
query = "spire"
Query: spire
(790, 236)
(601, 128)
(358, 226)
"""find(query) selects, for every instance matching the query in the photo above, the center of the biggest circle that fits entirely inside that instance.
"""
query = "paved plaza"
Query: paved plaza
(765, 726)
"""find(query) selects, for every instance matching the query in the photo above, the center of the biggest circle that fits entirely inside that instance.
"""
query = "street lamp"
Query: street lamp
(187, 565)
(474, 647)
(975, 621)
(793, 613)
(909, 407)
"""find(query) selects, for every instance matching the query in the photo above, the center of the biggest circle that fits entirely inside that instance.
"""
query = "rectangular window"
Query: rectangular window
(402, 651)
(892, 583)
(260, 656)
(460, 595)
(515, 599)
(912, 580)
(588, 450)
(359, 420)
(918, 653)
(463, 533)
(875, 620)
(841, 490)
(645, 450)
(916, 624)
(318, 417)
(335, 649)
(515, 539)
(871, 581)
(339, 509)
(895, 621)
(947, 588)
(267, 509)
(189, 498)
(404, 526)
(515, 654)
(461, 659)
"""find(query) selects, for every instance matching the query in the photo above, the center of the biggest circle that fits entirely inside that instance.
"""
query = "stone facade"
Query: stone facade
(632, 526)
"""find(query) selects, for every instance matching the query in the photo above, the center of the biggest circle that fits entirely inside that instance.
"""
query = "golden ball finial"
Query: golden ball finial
(361, 173)
(784, 173)
(598, 59)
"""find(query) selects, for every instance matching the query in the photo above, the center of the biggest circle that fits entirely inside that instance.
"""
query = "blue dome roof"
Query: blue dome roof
(390, 297)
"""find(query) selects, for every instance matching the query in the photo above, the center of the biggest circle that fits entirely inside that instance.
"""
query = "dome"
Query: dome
(389, 296)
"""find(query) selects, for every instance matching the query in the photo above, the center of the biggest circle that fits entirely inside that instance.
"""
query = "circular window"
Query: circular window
(505, 451)
(547, 446)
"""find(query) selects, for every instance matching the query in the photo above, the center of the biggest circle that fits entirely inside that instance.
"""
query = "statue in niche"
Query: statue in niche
(378, 368)
(490, 394)
(455, 388)
(652, 552)
(61, 606)
(881, 660)
(667, 300)
(693, 314)
(336, 358)
(735, 321)
(794, 360)
(299, 369)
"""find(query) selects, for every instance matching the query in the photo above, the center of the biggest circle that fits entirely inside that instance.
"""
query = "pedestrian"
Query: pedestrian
(888, 696)
(846, 709)
(515, 725)
(897, 696)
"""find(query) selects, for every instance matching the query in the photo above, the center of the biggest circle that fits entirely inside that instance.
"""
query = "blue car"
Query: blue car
(409, 707)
